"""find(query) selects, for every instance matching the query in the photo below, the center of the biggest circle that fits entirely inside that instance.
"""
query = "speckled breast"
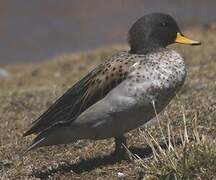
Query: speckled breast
(157, 77)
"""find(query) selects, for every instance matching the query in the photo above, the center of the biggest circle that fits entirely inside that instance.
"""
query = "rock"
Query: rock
(120, 175)
(4, 73)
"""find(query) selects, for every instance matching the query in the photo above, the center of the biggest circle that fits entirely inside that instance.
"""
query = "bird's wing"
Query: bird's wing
(93, 87)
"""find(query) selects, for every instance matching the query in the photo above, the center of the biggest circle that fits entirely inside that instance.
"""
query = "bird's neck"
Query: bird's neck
(146, 47)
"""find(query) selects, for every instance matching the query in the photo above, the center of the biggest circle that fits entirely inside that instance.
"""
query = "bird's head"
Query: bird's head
(154, 31)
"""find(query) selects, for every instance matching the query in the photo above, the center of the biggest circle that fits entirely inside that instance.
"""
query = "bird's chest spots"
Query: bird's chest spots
(156, 80)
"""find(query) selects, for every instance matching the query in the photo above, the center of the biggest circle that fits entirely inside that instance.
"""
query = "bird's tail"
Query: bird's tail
(53, 136)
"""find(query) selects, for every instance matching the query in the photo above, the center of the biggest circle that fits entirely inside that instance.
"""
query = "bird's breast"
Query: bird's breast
(157, 79)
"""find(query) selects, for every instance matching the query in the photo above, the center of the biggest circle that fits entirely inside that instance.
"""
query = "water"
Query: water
(33, 31)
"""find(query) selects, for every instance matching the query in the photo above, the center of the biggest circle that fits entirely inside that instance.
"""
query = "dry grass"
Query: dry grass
(189, 153)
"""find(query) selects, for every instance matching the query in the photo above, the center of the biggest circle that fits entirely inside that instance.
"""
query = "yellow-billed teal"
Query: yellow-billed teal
(119, 94)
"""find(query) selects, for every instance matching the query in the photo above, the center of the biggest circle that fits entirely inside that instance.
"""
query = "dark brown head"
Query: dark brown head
(154, 31)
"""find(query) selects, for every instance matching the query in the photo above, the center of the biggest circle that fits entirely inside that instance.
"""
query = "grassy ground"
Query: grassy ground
(189, 122)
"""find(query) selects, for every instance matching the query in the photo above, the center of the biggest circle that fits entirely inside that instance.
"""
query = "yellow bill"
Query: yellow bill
(184, 40)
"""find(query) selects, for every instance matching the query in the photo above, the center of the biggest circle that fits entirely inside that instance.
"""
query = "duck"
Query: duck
(121, 94)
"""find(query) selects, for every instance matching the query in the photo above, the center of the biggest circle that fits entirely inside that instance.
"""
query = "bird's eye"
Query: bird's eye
(164, 24)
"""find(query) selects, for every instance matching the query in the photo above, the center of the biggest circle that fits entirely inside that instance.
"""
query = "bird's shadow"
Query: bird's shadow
(91, 164)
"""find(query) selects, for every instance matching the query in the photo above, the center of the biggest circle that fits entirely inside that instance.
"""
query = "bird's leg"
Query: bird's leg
(120, 144)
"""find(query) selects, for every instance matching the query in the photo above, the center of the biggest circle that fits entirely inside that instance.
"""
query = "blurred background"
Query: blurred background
(32, 31)
(38, 39)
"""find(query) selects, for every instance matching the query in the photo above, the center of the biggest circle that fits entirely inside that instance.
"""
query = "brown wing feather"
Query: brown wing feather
(83, 94)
